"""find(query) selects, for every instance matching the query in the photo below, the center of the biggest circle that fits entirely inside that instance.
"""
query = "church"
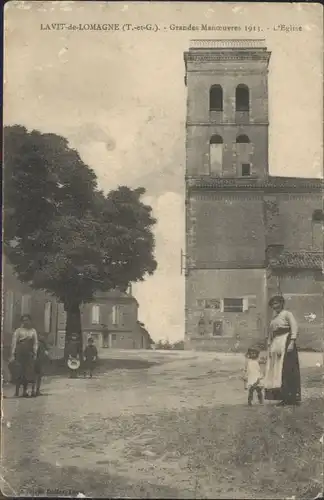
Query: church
(249, 234)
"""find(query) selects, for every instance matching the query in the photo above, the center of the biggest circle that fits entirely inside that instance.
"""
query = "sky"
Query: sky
(119, 98)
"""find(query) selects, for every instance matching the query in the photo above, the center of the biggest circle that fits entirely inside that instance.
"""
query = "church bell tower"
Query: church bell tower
(226, 160)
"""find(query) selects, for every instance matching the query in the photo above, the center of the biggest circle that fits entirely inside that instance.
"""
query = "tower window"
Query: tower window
(242, 98)
(216, 98)
(216, 139)
(246, 169)
(216, 155)
(242, 139)
(318, 215)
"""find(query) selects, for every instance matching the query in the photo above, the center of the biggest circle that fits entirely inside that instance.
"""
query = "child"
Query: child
(41, 358)
(252, 375)
(73, 356)
(90, 357)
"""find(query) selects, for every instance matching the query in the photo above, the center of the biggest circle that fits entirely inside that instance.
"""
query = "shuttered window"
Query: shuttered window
(48, 317)
(25, 304)
(95, 315)
(233, 305)
(8, 312)
(115, 315)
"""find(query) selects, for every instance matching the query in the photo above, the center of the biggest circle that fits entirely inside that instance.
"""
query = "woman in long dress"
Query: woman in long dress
(23, 353)
(282, 376)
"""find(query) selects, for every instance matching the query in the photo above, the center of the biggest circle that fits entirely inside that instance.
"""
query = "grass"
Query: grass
(213, 451)
(270, 450)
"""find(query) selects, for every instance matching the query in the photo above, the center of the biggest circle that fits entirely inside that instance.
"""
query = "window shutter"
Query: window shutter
(115, 315)
(61, 317)
(245, 304)
(47, 317)
(8, 312)
(95, 314)
(25, 304)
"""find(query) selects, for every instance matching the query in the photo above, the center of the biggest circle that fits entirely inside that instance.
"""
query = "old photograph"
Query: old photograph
(162, 253)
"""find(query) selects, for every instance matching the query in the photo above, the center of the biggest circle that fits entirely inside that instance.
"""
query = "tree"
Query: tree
(83, 240)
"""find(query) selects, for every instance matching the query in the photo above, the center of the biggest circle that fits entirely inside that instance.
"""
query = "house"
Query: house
(249, 235)
(111, 319)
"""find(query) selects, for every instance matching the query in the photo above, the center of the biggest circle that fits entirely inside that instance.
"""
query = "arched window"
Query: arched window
(242, 98)
(216, 139)
(242, 139)
(216, 98)
(216, 155)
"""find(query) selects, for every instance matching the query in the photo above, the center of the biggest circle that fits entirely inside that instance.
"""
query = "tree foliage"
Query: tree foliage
(61, 233)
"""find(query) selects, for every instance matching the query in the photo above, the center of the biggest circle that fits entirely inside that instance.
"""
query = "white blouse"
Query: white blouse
(284, 319)
(22, 334)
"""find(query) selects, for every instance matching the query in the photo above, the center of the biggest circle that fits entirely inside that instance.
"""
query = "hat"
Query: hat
(276, 298)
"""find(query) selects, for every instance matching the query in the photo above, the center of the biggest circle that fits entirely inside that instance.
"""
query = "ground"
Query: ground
(163, 425)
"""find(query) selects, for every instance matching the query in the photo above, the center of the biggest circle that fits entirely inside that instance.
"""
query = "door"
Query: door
(217, 328)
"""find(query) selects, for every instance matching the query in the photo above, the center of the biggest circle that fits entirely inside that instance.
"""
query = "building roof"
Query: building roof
(297, 260)
(231, 44)
(269, 183)
(115, 294)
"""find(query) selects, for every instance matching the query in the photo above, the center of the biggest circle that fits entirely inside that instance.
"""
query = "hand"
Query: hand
(11, 359)
(290, 346)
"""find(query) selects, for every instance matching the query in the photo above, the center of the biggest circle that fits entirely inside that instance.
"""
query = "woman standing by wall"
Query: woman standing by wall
(282, 377)
(23, 353)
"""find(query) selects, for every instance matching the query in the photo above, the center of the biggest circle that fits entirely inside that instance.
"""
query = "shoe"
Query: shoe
(25, 395)
(281, 403)
(33, 394)
(38, 393)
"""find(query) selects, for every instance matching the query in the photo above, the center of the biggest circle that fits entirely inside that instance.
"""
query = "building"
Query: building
(248, 234)
(111, 319)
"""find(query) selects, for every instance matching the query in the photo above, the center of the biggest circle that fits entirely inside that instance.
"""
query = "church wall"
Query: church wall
(304, 295)
(237, 329)
(198, 154)
(226, 228)
(296, 212)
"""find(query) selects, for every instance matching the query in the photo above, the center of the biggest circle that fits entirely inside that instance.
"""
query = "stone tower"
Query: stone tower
(226, 158)
(248, 234)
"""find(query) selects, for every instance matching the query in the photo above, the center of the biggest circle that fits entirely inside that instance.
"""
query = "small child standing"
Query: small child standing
(90, 356)
(41, 358)
(253, 375)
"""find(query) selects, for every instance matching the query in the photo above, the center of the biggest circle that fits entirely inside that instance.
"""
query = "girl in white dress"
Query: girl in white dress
(253, 375)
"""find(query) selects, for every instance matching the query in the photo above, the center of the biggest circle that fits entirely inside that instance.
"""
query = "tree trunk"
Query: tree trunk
(73, 325)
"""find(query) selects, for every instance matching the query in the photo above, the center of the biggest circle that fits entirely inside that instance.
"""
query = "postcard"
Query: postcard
(163, 278)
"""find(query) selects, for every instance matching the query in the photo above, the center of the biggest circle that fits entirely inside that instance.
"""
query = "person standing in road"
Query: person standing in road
(23, 354)
(90, 357)
(282, 377)
(41, 358)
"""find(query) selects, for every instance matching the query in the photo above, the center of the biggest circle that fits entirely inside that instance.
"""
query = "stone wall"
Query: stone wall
(239, 329)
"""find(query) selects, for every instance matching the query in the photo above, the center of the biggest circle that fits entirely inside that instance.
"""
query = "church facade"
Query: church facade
(249, 235)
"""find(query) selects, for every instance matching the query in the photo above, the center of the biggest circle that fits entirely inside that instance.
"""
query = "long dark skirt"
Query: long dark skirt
(25, 364)
(290, 390)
